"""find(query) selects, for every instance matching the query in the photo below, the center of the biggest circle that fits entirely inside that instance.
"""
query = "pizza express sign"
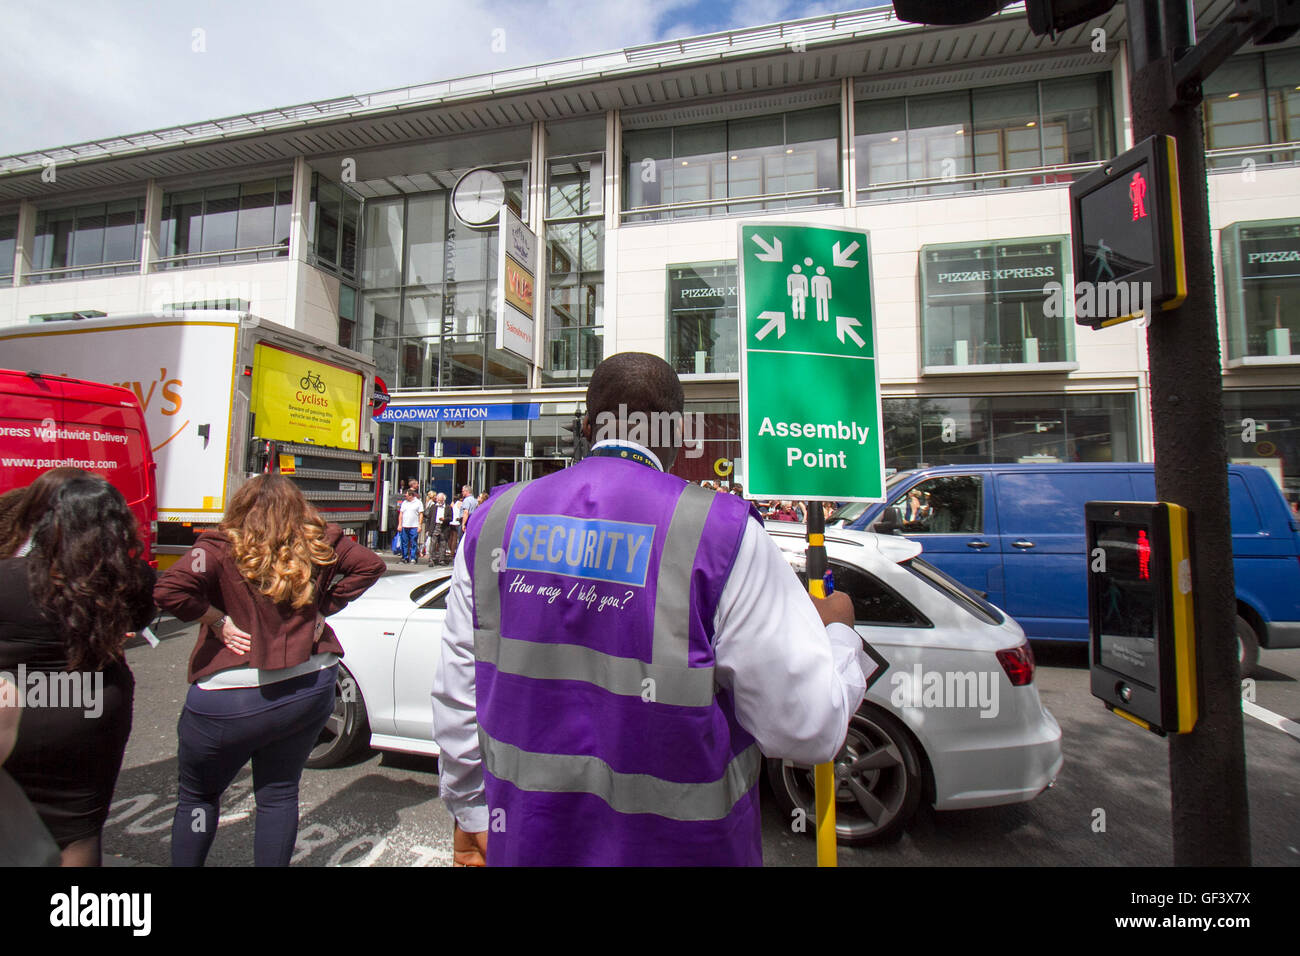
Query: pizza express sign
(983, 271)
(1273, 257)
(702, 288)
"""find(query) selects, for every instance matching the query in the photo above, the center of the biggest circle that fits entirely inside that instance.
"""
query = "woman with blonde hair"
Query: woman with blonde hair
(262, 673)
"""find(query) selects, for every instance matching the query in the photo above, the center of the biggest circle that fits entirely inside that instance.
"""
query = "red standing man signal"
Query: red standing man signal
(1137, 191)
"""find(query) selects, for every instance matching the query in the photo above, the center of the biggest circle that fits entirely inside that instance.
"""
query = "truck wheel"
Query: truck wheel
(1247, 647)
(878, 782)
(347, 728)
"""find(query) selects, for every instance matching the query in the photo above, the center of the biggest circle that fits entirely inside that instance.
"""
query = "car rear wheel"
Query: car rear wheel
(877, 782)
(347, 728)
(1247, 647)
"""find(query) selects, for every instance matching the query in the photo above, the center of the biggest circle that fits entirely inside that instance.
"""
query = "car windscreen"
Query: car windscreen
(957, 592)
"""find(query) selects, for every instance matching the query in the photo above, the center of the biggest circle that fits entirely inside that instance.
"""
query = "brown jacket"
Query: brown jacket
(281, 635)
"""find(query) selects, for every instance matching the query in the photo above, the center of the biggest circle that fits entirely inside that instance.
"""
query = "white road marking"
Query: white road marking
(1273, 720)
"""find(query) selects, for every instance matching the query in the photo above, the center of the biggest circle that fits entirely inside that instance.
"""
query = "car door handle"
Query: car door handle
(1022, 544)
(978, 545)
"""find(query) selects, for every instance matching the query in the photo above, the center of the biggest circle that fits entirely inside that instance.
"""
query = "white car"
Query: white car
(955, 720)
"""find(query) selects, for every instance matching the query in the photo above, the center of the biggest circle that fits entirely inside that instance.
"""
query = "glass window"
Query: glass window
(703, 318)
(575, 263)
(880, 128)
(8, 244)
(426, 228)
(950, 504)
(1262, 289)
(920, 432)
(874, 603)
(1234, 109)
(123, 230)
(1275, 435)
(88, 236)
(347, 317)
(983, 304)
(949, 135)
(764, 155)
(256, 226)
(329, 200)
(717, 427)
(283, 211)
(1006, 129)
(382, 257)
(1076, 127)
(79, 239)
(226, 219)
(1282, 73)
(939, 139)
(220, 218)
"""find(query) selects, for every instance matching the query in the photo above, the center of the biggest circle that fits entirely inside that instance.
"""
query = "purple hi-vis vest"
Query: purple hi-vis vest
(603, 736)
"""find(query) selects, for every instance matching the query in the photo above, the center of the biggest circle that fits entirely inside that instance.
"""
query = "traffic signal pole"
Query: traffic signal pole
(1207, 767)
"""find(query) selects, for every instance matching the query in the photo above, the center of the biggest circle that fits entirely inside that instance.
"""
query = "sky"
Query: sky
(79, 70)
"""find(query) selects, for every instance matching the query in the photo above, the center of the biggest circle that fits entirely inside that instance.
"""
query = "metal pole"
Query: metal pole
(1207, 769)
(823, 773)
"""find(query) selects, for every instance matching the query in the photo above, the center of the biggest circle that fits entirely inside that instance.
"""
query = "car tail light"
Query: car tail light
(1018, 662)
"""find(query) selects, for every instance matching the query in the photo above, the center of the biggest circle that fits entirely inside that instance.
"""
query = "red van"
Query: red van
(47, 421)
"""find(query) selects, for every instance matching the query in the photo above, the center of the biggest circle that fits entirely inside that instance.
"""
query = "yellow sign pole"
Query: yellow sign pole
(823, 773)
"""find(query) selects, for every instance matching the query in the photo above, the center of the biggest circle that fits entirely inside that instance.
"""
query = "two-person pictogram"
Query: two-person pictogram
(799, 285)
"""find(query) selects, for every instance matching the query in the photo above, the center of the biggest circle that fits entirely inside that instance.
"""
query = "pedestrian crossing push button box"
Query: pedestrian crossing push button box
(1142, 650)
(1127, 236)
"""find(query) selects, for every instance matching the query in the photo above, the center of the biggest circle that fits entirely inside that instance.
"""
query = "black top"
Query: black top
(26, 637)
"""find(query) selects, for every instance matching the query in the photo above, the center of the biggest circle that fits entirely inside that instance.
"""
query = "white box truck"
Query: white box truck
(226, 395)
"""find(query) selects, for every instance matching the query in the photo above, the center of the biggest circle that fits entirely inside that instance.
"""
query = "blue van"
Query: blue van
(1016, 532)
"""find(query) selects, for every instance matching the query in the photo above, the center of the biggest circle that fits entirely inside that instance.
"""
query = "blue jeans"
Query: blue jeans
(276, 727)
(410, 544)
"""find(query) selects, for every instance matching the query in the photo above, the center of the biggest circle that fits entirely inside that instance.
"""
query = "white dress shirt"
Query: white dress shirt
(795, 683)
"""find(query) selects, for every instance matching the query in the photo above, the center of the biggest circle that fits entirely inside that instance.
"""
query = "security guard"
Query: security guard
(622, 648)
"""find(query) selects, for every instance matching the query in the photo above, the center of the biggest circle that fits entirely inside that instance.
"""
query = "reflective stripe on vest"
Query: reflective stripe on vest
(674, 682)
(624, 792)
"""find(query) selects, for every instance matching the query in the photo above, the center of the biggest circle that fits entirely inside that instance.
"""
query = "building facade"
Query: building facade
(953, 147)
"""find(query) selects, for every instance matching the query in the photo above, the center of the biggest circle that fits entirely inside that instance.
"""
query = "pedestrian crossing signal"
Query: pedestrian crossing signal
(1127, 236)
(1141, 613)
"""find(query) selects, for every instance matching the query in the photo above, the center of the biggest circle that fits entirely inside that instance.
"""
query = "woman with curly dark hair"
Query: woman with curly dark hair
(72, 592)
(262, 673)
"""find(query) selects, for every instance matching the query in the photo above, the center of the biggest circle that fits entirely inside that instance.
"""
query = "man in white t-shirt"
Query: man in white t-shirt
(410, 519)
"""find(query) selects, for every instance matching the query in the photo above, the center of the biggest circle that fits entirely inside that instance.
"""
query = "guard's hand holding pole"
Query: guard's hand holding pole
(835, 609)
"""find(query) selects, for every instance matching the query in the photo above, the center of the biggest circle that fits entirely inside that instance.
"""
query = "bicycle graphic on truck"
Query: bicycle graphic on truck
(312, 380)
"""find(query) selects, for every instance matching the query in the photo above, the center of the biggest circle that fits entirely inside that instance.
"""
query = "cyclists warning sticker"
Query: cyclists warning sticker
(299, 398)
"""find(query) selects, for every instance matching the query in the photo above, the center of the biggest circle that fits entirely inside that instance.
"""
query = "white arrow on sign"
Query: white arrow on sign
(844, 326)
(775, 320)
(770, 253)
(842, 258)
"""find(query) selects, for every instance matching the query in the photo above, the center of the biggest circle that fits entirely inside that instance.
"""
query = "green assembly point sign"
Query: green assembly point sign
(809, 386)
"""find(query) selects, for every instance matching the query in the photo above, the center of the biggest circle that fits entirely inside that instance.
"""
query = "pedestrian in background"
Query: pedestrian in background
(73, 587)
(263, 670)
(410, 520)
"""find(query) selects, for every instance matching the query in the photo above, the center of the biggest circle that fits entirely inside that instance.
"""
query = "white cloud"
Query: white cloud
(85, 69)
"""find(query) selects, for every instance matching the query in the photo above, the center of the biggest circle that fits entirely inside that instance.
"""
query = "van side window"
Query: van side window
(949, 504)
